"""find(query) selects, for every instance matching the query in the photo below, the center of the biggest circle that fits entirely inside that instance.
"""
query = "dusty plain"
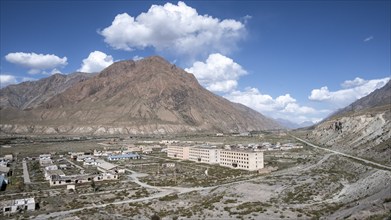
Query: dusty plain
(307, 183)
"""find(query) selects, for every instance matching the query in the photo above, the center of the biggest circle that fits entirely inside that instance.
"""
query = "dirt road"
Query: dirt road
(381, 166)
(26, 175)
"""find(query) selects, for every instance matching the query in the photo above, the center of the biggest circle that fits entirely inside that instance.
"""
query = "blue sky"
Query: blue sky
(298, 60)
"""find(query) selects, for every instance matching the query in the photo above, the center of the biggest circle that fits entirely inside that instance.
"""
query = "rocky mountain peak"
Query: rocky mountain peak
(148, 96)
(121, 67)
(155, 59)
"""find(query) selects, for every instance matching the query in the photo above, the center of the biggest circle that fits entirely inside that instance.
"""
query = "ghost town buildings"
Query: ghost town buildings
(13, 206)
(236, 159)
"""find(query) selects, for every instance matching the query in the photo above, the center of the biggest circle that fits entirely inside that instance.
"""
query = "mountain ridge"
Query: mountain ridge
(145, 96)
(379, 97)
(30, 94)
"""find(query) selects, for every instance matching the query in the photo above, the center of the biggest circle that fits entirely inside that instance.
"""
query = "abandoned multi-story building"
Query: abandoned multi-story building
(237, 159)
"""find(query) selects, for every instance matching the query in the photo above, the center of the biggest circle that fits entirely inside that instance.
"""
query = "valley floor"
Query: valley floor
(311, 183)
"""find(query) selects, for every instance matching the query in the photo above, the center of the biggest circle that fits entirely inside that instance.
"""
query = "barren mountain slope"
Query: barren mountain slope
(380, 97)
(30, 94)
(146, 96)
(363, 128)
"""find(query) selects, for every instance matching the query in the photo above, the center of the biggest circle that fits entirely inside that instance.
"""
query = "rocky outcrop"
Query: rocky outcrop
(366, 129)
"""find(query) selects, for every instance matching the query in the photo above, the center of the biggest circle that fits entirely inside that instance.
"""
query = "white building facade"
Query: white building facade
(179, 152)
(247, 160)
(204, 155)
(236, 159)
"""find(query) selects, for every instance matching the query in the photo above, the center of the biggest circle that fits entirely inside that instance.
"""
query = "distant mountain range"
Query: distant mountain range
(149, 96)
(31, 94)
(292, 125)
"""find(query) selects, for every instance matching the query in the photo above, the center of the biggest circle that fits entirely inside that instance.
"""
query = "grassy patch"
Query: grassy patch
(248, 208)
(169, 197)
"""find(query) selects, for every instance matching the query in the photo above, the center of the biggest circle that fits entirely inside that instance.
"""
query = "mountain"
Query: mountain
(33, 93)
(135, 97)
(305, 124)
(378, 98)
(363, 128)
(292, 125)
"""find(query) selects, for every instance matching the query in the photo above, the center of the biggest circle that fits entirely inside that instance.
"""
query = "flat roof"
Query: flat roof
(241, 151)
(124, 155)
(4, 169)
(73, 177)
(105, 165)
(55, 172)
(204, 147)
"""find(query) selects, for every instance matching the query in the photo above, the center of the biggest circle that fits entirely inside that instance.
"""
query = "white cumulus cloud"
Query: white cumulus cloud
(136, 58)
(350, 92)
(284, 106)
(252, 98)
(36, 63)
(353, 83)
(95, 62)
(218, 73)
(321, 94)
(6, 80)
(176, 28)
